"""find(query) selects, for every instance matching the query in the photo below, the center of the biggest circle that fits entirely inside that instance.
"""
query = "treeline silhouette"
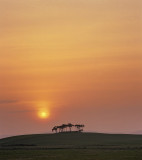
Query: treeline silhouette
(68, 128)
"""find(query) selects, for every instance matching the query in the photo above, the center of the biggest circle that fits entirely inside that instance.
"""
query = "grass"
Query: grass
(73, 139)
(71, 154)
(72, 146)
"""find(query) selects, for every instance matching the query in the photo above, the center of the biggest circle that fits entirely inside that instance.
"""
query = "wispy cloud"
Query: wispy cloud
(7, 101)
(21, 111)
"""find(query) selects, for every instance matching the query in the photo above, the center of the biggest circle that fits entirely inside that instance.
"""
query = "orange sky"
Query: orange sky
(78, 60)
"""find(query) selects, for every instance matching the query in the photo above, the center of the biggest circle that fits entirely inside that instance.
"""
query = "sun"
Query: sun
(43, 114)
(43, 111)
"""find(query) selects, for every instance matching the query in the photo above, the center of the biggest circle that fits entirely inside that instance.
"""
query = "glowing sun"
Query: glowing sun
(43, 114)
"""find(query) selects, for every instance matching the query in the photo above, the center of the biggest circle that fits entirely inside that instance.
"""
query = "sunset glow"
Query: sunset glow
(43, 114)
(77, 61)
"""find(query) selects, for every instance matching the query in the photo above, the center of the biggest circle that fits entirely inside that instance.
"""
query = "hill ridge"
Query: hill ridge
(71, 139)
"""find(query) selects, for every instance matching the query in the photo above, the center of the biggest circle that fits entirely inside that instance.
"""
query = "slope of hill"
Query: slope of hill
(72, 139)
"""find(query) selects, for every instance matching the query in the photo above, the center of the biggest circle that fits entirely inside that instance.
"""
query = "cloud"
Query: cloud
(22, 111)
(7, 101)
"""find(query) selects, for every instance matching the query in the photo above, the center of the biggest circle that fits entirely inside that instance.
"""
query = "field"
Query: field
(71, 154)
(72, 146)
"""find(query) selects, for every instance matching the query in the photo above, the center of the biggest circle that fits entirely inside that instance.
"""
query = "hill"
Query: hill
(72, 140)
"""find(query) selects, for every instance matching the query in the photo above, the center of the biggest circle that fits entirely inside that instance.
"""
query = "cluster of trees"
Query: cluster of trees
(68, 128)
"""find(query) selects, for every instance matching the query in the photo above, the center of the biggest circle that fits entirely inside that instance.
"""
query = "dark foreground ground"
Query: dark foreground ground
(72, 146)
(71, 154)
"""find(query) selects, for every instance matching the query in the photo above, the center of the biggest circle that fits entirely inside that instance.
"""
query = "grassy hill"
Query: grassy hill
(76, 146)
(72, 139)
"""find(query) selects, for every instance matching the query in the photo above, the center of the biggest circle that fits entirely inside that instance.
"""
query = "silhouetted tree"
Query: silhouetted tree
(63, 127)
(70, 126)
(79, 127)
(54, 129)
(59, 128)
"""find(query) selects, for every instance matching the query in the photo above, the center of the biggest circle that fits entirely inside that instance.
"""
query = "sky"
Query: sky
(72, 61)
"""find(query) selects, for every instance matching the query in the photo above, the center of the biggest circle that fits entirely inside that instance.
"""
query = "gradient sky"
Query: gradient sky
(78, 60)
